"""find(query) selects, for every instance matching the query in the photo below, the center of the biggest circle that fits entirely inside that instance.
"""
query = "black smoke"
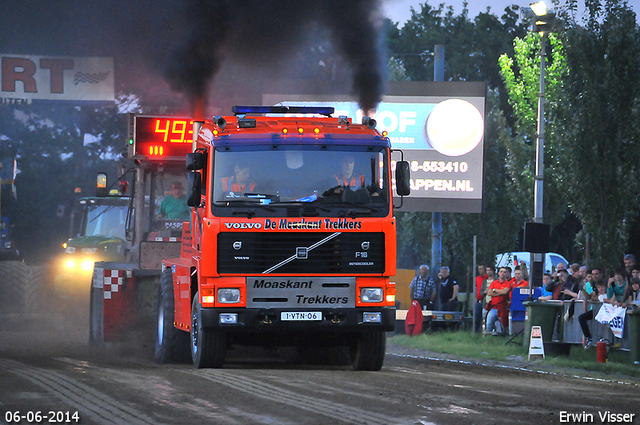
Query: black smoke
(258, 33)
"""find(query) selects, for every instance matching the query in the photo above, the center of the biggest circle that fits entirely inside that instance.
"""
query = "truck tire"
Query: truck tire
(208, 347)
(13, 287)
(367, 353)
(171, 344)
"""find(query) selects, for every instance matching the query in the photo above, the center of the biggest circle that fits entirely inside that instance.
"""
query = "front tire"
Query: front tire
(367, 353)
(171, 345)
(208, 347)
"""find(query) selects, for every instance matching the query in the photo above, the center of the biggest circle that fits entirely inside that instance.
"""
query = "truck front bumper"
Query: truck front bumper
(268, 320)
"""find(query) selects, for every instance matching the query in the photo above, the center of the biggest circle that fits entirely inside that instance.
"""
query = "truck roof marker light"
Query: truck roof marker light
(285, 130)
(300, 130)
(215, 131)
(316, 130)
(385, 133)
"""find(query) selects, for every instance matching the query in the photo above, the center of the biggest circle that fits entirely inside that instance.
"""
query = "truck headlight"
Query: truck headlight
(228, 295)
(70, 249)
(371, 295)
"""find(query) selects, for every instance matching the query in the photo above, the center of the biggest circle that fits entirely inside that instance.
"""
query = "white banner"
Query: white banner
(613, 317)
(24, 79)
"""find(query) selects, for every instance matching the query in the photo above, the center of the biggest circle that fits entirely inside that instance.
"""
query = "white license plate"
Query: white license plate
(294, 316)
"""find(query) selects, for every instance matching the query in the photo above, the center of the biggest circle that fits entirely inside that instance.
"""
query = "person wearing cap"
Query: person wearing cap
(174, 207)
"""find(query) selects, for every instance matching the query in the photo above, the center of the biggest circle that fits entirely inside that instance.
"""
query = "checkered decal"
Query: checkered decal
(113, 280)
(536, 332)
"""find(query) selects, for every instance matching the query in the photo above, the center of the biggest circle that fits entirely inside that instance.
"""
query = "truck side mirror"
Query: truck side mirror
(101, 185)
(403, 188)
(195, 161)
(195, 186)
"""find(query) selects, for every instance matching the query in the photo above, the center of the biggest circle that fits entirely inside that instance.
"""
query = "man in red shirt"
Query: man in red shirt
(482, 275)
(499, 291)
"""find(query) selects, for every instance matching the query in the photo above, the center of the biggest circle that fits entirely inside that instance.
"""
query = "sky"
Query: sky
(399, 10)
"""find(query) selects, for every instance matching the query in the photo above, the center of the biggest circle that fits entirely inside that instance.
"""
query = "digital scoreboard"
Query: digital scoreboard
(160, 137)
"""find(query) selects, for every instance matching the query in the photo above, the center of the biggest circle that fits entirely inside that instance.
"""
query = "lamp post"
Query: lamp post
(536, 238)
(542, 23)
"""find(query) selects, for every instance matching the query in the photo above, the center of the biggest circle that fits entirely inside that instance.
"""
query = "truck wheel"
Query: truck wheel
(367, 353)
(171, 345)
(208, 347)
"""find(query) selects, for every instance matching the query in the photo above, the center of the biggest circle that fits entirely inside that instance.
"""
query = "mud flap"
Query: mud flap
(114, 302)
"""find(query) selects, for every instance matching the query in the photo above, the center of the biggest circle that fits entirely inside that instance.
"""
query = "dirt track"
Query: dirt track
(48, 367)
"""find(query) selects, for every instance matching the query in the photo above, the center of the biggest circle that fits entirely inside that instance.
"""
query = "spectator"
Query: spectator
(477, 307)
(491, 276)
(617, 287)
(635, 272)
(518, 281)
(633, 297)
(589, 286)
(599, 295)
(423, 288)
(548, 286)
(575, 274)
(448, 290)
(629, 265)
(499, 292)
(559, 266)
(569, 288)
(597, 276)
(174, 207)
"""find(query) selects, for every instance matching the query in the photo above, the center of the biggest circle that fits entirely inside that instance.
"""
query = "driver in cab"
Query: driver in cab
(240, 181)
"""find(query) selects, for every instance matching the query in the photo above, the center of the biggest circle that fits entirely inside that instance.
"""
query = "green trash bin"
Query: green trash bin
(634, 335)
(541, 314)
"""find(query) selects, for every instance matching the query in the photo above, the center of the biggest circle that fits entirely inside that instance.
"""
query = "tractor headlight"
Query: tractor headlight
(371, 295)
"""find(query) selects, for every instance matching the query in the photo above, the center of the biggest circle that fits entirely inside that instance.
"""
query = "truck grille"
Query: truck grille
(293, 253)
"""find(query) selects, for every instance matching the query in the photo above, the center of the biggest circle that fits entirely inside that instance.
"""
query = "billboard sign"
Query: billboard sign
(441, 135)
(28, 79)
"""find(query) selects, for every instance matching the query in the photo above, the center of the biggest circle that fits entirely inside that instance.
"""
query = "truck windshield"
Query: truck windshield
(302, 175)
(106, 220)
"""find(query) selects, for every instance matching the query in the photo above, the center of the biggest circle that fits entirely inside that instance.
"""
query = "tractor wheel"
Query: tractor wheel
(171, 344)
(367, 353)
(13, 287)
(208, 347)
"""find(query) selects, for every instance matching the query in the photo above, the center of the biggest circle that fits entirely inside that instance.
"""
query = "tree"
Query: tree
(522, 80)
(601, 128)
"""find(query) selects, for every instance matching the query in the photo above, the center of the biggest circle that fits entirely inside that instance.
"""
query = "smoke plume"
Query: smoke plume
(258, 33)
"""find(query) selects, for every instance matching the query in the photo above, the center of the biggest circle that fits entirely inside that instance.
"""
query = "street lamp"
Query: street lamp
(543, 20)
(537, 233)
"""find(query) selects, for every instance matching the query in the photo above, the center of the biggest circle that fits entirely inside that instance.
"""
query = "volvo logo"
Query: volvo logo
(237, 245)
(365, 245)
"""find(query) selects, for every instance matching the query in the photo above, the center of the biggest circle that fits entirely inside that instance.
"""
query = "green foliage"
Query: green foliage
(522, 80)
(54, 158)
(601, 130)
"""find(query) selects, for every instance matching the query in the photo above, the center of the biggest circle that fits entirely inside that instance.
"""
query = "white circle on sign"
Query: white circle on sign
(454, 127)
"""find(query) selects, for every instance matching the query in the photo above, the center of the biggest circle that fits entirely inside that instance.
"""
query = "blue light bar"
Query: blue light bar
(322, 110)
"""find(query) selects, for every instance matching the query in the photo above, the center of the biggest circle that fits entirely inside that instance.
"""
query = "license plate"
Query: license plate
(295, 316)
(448, 317)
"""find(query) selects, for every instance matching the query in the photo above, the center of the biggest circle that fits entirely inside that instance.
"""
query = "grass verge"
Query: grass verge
(464, 344)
